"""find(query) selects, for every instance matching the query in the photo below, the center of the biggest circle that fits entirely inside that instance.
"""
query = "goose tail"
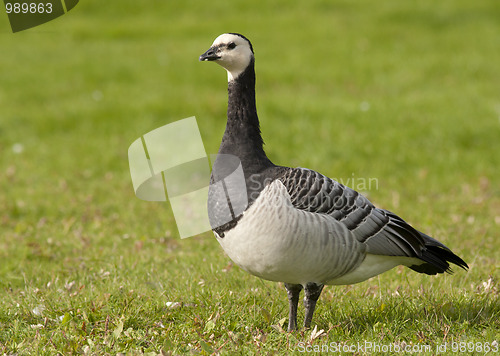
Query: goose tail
(437, 258)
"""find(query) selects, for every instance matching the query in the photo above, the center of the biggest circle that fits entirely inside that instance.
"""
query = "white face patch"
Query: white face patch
(235, 54)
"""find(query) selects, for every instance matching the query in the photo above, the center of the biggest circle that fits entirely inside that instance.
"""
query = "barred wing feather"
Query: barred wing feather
(382, 232)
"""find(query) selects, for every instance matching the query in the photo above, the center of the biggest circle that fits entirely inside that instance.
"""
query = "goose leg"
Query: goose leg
(312, 292)
(293, 291)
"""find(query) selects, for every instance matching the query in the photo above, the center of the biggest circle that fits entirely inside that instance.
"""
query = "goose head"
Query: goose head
(232, 51)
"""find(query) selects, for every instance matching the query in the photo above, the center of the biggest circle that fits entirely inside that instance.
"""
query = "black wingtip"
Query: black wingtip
(438, 261)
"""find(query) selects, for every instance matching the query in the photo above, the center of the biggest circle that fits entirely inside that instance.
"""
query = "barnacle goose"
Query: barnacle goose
(300, 227)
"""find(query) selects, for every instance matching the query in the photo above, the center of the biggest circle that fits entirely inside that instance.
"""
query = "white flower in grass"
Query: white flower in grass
(17, 148)
(173, 305)
(38, 310)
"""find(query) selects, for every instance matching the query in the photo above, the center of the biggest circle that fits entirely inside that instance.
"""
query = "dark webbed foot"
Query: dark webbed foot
(293, 291)
(312, 292)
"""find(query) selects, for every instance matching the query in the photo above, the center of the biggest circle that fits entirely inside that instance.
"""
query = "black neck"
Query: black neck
(242, 137)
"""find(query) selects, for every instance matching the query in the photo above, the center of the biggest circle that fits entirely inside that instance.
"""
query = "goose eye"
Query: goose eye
(232, 45)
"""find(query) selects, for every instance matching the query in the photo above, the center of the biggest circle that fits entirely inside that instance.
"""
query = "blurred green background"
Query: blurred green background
(404, 92)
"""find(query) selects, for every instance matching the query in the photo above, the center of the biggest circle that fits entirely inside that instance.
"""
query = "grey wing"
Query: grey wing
(382, 232)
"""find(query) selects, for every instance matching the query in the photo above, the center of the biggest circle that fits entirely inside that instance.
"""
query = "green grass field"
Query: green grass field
(407, 93)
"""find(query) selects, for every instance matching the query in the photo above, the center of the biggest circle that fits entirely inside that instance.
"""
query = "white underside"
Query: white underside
(373, 265)
(275, 241)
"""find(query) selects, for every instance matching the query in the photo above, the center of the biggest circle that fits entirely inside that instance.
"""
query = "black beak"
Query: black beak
(210, 55)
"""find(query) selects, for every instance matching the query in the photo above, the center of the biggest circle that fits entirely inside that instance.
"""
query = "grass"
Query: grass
(406, 93)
